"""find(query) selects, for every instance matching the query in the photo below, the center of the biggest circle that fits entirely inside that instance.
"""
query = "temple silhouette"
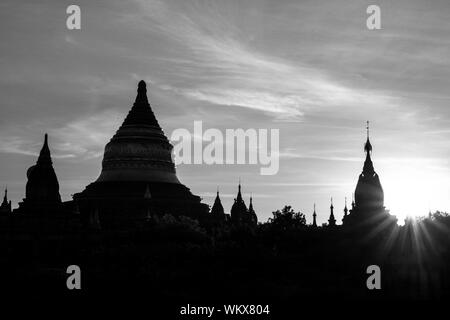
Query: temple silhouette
(368, 206)
(138, 183)
(138, 177)
(137, 226)
(42, 189)
(5, 207)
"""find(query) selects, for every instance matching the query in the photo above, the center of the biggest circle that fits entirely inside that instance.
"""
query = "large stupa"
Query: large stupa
(138, 180)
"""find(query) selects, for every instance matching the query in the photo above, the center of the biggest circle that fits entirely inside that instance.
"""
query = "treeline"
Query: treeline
(180, 258)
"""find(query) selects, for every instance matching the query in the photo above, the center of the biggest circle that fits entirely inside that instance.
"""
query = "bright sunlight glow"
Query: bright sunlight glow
(414, 189)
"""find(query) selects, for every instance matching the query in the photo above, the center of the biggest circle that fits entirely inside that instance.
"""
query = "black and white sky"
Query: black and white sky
(309, 68)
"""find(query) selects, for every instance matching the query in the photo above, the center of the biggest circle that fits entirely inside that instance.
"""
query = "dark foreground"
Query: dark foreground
(178, 261)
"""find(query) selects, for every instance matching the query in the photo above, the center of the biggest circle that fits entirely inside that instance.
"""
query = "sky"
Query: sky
(311, 69)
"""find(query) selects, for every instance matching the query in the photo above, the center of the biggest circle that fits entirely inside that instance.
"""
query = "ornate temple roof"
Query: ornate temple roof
(139, 151)
(138, 173)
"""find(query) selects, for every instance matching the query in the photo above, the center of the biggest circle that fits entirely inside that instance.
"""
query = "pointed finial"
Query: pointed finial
(44, 154)
(346, 202)
(141, 97)
(331, 202)
(368, 145)
(314, 224)
(239, 195)
(142, 86)
(45, 145)
(367, 127)
(217, 190)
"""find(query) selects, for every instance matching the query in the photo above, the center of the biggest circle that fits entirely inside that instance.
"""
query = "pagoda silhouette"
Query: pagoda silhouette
(5, 207)
(138, 184)
(138, 180)
(368, 205)
(42, 197)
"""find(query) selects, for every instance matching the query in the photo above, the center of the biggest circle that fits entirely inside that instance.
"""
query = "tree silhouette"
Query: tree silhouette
(287, 218)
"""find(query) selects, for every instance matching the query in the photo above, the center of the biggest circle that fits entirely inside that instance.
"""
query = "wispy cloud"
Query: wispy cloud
(87, 136)
(231, 72)
(82, 138)
(16, 145)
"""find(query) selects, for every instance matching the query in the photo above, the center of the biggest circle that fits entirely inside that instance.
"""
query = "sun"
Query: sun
(413, 191)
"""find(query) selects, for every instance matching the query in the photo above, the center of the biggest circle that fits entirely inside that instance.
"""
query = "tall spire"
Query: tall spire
(44, 156)
(368, 192)
(344, 218)
(217, 208)
(368, 164)
(238, 209)
(368, 145)
(251, 217)
(239, 195)
(5, 206)
(331, 220)
(367, 127)
(314, 217)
